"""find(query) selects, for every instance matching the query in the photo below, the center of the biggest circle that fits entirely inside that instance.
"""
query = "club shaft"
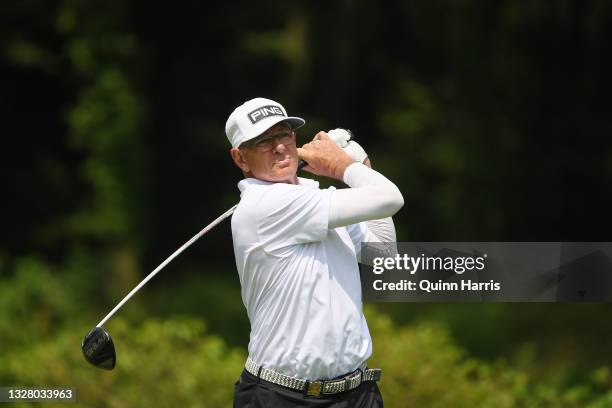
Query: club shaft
(167, 261)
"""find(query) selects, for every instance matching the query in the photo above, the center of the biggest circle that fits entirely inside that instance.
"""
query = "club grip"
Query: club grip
(302, 163)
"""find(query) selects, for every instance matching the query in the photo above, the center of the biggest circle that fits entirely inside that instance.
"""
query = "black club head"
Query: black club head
(98, 349)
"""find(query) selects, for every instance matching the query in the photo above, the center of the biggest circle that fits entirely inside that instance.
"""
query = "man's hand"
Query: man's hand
(324, 157)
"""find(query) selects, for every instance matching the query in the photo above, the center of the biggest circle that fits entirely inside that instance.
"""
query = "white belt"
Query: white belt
(315, 388)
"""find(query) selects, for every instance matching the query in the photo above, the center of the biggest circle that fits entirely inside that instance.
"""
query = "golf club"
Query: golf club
(97, 346)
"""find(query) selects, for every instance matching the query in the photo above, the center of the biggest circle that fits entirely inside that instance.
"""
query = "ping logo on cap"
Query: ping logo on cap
(264, 112)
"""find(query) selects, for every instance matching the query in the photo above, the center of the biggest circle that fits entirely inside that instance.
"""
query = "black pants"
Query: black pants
(251, 392)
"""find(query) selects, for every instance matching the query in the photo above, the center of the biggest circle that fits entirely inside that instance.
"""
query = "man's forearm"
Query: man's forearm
(371, 197)
(382, 230)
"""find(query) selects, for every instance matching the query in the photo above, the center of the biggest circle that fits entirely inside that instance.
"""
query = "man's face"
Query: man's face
(271, 156)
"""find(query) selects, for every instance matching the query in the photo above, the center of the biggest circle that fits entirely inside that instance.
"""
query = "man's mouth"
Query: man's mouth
(286, 162)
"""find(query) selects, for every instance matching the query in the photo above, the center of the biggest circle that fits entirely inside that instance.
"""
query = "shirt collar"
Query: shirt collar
(250, 181)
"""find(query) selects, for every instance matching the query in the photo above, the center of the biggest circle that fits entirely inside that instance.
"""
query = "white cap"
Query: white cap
(254, 117)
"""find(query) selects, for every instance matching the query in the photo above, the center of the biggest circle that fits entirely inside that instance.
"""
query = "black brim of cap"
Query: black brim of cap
(294, 122)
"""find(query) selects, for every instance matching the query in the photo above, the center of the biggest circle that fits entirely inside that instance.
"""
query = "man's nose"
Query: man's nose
(278, 146)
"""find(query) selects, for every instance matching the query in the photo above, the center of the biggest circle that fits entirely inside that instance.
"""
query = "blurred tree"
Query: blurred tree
(491, 116)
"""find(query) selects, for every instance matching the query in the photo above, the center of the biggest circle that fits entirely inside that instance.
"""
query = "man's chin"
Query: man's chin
(286, 173)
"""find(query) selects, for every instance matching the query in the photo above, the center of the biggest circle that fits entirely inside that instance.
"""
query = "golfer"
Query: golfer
(297, 247)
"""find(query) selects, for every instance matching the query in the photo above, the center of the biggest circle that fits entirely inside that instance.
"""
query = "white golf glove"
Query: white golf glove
(342, 138)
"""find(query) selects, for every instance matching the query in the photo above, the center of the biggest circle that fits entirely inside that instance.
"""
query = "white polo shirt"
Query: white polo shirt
(300, 280)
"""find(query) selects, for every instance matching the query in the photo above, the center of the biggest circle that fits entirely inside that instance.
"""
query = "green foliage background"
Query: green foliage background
(491, 116)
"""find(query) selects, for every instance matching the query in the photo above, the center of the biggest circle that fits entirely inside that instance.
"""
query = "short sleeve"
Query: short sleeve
(292, 214)
(359, 233)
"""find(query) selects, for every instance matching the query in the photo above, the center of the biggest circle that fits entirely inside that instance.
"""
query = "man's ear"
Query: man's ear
(239, 159)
